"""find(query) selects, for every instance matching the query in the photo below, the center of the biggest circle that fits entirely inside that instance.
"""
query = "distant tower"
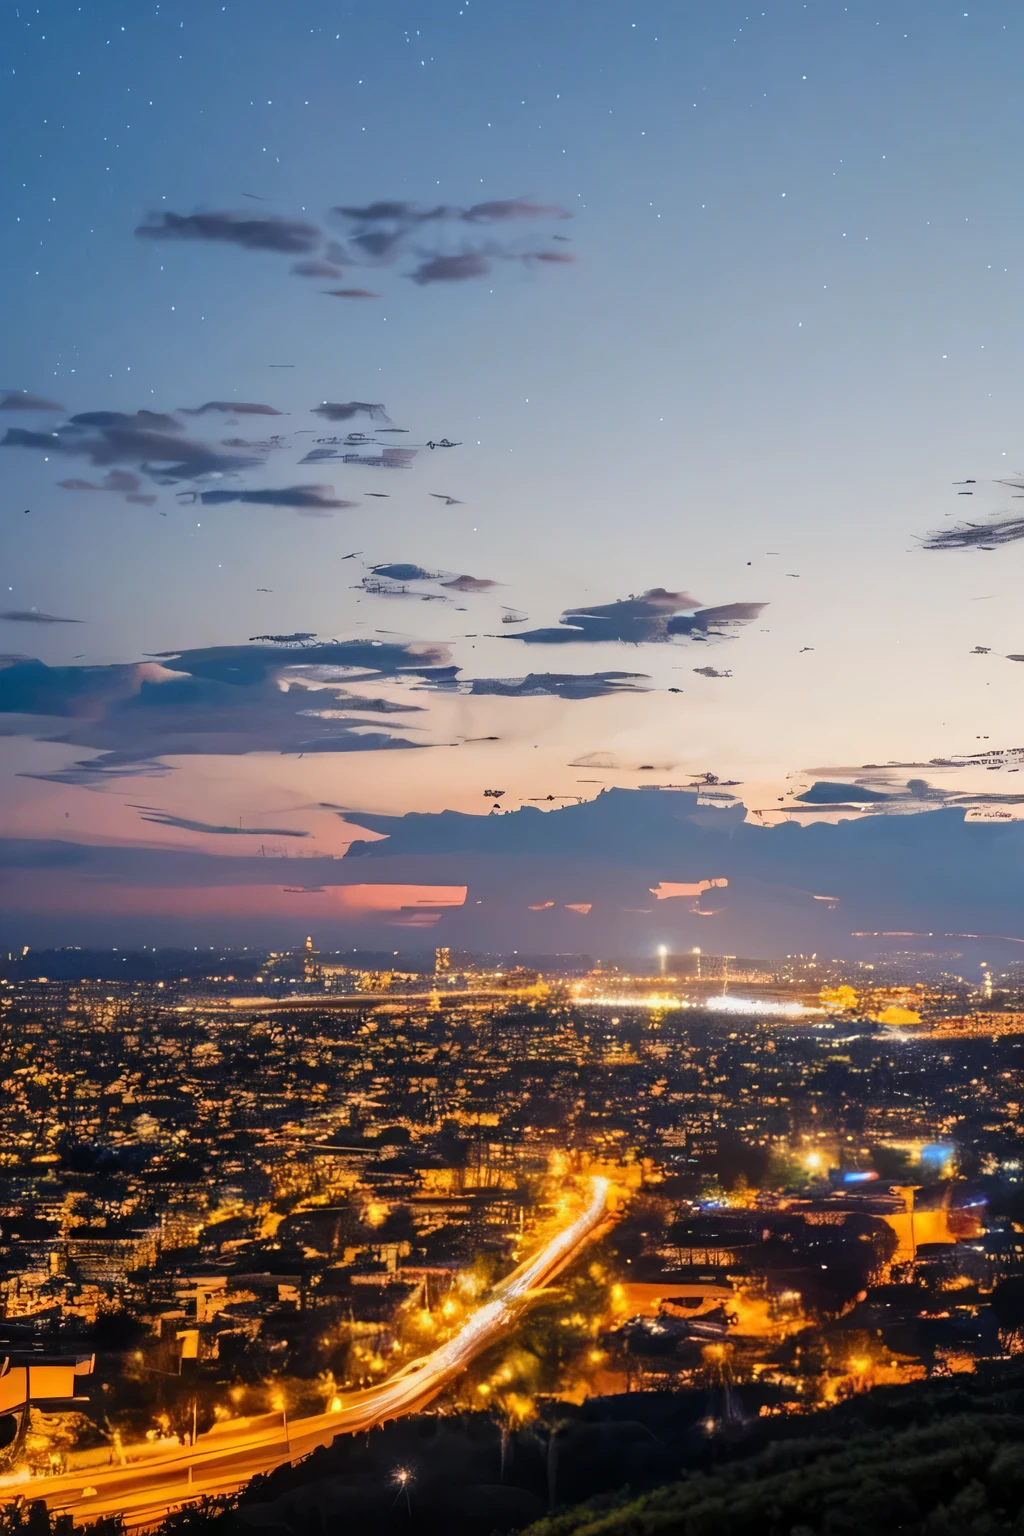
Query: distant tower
(442, 960)
(311, 970)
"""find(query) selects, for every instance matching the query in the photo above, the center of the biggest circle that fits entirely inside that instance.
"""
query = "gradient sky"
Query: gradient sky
(792, 322)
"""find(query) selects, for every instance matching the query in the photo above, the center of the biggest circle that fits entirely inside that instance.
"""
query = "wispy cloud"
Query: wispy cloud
(187, 824)
(231, 408)
(347, 410)
(655, 616)
(34, 616)
(21, 400)
(283, 236)
(303, 498)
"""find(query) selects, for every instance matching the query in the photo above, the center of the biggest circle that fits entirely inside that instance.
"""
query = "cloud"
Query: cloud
(304, 498)
(945, 878)
(347, 410)
(654, 617)
(943, 873)
(406, 571)
(470, 584)
(562, 685)
(1001, 530)
(316, 269)
(888, 795)
(150, 440)
(512, 208)
(382, 212)
(825, 793)
(377, 234)
(284, 236)
(224, 701)
(21, 400)
(231, 407)
(380, 230)
(399, 571)
(710, 672)
(121, 481)
(185, 824)
(559, 258)
(450, 269)
(33, 616)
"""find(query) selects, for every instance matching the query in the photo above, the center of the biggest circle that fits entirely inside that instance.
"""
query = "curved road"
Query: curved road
(231, 1453)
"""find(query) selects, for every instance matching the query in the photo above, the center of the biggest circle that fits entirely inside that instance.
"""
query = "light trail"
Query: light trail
(226, 1458)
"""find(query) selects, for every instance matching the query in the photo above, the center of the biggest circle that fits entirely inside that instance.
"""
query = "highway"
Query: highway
(145, 1488)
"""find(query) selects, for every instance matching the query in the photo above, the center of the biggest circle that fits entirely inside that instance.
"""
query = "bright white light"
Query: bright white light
(730, 1004)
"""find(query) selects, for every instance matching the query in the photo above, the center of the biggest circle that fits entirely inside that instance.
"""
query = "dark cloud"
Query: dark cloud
(165, 819)
(316, 269)
(150, 440)
(562, 685)
(231, 408)
(285, 236)
(388, 458)
(304, 498)
(655, 616)
(377, 234)
(470, 584)
(33, 616)
(120, 481)
(387, 212)
(21, 437)
(122, 421)
(825, 793)
(504, 211)
(21, 400)
(226, 701)
(451, 269)
(1004, 530)
(942, 872)
(882, 792)
(408, 215)
(381, 230)
(347, 410)
(710, 672)
(399, 571)
(297, 637)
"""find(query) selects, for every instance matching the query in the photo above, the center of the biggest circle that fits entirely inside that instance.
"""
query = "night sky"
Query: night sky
(716, 304)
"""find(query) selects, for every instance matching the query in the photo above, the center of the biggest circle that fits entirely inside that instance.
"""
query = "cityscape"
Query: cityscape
(255, 1202)
(511, 914)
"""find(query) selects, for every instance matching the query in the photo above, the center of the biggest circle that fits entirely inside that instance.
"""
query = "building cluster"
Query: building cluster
(253, 1188)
